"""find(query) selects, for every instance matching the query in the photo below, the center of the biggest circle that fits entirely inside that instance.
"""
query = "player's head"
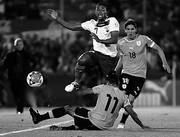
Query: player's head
(101, 11)
(18, 44)
(112, 78)
(130, 28)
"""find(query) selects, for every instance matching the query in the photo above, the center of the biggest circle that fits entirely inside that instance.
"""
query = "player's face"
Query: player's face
(101, 12)
(131, 30)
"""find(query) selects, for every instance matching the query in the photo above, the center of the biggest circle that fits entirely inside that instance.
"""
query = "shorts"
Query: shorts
(106, 63)
(81, 119)
(131, 84)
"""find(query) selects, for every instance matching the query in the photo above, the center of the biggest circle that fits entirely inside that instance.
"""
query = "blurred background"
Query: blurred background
(56, 49)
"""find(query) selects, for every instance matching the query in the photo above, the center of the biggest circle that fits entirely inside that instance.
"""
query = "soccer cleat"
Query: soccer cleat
(73, 86)
(35, 116)
(56, 128)
(121, 125)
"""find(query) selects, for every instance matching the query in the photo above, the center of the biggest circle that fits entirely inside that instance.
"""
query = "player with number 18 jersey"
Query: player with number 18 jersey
(133, 52)
(134, 55)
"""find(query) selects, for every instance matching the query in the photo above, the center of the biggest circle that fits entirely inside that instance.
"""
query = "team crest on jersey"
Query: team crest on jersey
(138, 43)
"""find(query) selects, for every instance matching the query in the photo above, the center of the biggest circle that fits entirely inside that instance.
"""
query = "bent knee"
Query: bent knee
(70, 109)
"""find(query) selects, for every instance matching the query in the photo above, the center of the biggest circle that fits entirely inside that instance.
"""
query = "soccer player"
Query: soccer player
(102, 117)
(19, 63)
(132, 49)
(105, 32)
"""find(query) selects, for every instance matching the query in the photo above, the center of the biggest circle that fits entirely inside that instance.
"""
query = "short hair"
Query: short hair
(130, 22)
(112, 78)
(103, 4)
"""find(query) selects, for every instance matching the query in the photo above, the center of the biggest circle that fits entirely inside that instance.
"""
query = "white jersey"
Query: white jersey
(103, 33)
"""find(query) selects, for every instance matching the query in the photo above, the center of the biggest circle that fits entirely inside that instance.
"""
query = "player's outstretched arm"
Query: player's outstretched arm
(134, 116)
(54, 15)
(119, 65)
(163, 58)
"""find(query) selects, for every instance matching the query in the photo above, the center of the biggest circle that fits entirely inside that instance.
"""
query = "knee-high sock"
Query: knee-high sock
(55, 113)
(124, 117)
(79, 71)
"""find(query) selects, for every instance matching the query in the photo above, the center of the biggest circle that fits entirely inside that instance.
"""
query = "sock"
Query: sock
(124, 117)
(58, 112)
(79, 71)
(55, 113)
(45, 116)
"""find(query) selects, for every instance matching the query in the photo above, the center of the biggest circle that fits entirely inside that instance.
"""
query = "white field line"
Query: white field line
(32, 129)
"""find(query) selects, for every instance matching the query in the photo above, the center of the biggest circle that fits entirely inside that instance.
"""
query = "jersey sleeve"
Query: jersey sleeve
(150, 43)
(114, 25)
(97, 89)
(87, 25)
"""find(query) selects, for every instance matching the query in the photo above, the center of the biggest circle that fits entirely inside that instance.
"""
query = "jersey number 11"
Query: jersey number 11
(115, 100)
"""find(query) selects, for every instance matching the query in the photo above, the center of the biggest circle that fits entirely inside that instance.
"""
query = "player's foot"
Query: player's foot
(121, 125)
(73, 86)
(35, 116)
(56, 128)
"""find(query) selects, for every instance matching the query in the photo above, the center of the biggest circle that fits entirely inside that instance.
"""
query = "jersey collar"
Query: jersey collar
(101, 24)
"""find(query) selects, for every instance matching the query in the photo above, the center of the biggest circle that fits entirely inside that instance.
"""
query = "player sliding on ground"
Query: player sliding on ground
(102, 117)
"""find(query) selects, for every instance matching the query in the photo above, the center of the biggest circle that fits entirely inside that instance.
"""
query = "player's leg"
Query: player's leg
(126, 114)
(133, 86)
(18, 96)
(84, 62)
(54, 113)
(107, 64)
(81, 119)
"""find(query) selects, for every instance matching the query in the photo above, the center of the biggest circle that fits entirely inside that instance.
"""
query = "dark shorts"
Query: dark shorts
(131, 84)
(93, 62)
(82, 121)
(106, 63)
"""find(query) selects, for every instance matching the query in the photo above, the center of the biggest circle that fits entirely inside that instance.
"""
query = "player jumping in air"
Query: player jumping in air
(133, 49)
(102, 117)
(105, 32)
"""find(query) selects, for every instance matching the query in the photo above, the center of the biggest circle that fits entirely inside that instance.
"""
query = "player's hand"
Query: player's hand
(166, 67)
(53, 14)
(94, 36)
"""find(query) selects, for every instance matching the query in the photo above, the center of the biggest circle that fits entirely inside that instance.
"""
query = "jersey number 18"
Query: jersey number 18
(132, 55)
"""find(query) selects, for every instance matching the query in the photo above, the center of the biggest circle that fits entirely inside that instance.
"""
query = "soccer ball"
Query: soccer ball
(34, 79)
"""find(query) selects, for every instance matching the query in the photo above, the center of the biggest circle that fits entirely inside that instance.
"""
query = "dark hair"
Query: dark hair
(130, 22)
(112, 78)
(104, 4)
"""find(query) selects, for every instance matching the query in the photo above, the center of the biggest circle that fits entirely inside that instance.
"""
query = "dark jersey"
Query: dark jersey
(19, 64)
